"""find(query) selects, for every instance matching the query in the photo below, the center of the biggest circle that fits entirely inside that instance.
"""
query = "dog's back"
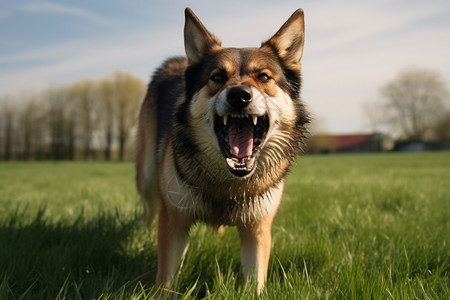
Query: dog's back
(165, 88)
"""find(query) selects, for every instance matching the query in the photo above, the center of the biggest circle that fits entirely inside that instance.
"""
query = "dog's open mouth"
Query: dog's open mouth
(240, 138)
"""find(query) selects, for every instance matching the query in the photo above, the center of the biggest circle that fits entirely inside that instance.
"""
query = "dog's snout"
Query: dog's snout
(239, 96)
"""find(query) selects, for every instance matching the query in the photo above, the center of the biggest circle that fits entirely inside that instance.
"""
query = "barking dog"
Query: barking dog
(218, 132)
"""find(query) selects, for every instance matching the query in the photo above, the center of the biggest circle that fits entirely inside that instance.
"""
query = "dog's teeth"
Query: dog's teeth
(255, 119)
(249, 163)
(225, 119)
(231, 162)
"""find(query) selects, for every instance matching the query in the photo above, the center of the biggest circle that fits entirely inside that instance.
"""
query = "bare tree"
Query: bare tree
(374, 113)
(442, 130)
(414, 103)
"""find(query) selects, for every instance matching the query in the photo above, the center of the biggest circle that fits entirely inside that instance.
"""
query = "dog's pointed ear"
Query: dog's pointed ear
(288, 41)
(197, 40)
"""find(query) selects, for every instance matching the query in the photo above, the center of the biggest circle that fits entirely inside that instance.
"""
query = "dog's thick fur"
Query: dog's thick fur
(218, 132)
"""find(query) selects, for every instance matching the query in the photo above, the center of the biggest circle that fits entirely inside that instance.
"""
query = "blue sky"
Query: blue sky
(352, 47)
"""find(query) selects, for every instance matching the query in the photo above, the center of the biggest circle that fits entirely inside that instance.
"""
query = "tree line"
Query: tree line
(89, 119)
(95, 119)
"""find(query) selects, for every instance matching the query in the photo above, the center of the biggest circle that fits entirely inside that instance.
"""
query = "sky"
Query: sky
(352, 48)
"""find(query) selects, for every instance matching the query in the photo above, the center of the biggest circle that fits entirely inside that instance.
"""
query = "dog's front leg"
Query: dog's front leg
(173, 234)
(255, 249)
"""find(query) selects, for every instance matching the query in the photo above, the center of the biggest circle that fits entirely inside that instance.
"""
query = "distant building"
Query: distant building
(374, 142)
(422, 146)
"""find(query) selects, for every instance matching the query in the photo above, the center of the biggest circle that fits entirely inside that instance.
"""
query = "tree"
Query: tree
(55, 101)
(7, 115)
(61, 117)
(105, 91)
(86, 111)
(373, 113)
(30, 128)
(414, 103)
(21, 125)
(442, 130)
(127, 97)
(62, 121)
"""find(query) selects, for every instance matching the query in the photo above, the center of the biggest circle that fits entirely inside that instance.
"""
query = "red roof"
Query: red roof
(348, 141)
(345, 141)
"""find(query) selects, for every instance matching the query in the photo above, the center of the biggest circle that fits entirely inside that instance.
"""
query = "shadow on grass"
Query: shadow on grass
(108, 257)
(84, 259)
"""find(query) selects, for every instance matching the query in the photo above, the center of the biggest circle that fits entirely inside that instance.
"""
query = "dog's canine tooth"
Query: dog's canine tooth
(225, 119)
(255, 119)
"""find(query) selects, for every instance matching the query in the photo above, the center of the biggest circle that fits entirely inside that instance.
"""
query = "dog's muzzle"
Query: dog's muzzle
(241, 125)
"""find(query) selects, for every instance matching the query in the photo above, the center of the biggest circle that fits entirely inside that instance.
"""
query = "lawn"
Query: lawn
(349, 227)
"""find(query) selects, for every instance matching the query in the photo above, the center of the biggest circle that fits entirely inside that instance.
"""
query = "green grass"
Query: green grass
(349, 227)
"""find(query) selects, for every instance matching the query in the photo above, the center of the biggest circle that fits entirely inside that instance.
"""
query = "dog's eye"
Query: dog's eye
(218, 78)
(264, 77)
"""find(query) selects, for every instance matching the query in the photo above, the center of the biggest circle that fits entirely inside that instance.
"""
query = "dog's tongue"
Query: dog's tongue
(240, 139)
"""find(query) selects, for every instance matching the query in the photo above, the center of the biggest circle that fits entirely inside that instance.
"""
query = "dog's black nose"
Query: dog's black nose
(239, 96)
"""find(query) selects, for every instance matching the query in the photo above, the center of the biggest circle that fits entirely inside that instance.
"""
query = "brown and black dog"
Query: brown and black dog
(218, 132)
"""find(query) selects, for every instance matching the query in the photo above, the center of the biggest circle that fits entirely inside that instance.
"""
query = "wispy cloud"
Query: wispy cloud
(70, 61)
(44, 7)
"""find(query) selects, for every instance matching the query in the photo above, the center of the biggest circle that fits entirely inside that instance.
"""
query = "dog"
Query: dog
(218, 132)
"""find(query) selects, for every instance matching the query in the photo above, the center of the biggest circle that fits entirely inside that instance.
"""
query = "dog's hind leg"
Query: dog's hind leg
(149, 190)
(173, 234)
(149, 197)
(146, 162)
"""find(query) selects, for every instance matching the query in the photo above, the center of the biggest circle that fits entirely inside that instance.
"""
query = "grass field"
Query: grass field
(349, 227)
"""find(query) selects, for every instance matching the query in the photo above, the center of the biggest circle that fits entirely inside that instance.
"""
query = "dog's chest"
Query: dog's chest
(220, 208)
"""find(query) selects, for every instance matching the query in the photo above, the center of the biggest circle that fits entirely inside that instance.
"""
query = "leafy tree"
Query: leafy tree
(86, 111)
(127, 97)
(7, 125)
(61, 122)
(64, 120)
(105, 91)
